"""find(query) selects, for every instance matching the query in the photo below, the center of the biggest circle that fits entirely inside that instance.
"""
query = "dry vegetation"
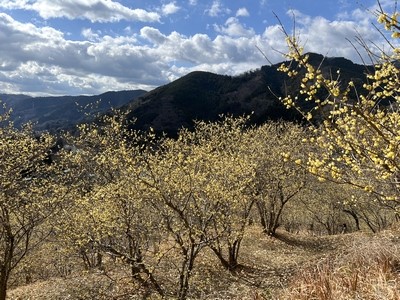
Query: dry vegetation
(347, 266)
(367, 268)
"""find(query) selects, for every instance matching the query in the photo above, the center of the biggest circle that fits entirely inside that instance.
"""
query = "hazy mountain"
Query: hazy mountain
(54, 113)
(13, 98)
(204, 95)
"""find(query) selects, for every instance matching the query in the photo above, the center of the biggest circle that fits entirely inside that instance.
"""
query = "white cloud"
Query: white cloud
(16, 4)
(153, 35)
(93, 10)
(41, 59)
(242, 12)
(217, 9)
(90, 35)
(331, 37)
(299, 17)
(193, 2)
(170, 8)
(54, 62)
(234, 28)
(109, 63)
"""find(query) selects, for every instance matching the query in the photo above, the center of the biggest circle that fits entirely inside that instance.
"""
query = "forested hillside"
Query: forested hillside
(205, 96)
(64, 112)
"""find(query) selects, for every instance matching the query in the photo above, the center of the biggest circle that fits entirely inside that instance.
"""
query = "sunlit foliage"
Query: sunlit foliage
(278, 179)
(31, 191)
(360, 135)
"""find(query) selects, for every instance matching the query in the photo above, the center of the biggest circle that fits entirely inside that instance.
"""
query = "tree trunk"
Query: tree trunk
(270, 217)
(233, 253)
(3, 284)
(5, 268)
(262, 213)
(272, 224)
(99, 260)
(186, 272)
(137, 267)
(355, 217)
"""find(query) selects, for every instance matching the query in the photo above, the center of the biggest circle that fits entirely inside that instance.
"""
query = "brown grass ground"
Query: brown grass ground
(268, 267)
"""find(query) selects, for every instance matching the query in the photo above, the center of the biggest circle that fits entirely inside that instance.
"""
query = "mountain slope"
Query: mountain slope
(55, 113)
(205, 96)
(11, 99)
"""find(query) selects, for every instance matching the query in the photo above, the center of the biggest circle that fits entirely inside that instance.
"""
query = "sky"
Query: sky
(87, 47)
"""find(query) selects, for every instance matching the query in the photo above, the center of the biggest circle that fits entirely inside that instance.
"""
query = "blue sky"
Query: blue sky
(71, 47)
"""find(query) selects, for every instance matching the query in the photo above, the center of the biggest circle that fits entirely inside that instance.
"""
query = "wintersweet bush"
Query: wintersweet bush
(359, 137)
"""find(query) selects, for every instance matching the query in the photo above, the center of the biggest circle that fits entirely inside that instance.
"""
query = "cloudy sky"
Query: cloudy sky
(71, 47)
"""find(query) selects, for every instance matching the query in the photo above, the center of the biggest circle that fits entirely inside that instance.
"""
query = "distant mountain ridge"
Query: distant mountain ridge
(63, 112)
(205, 96)
(197, 95)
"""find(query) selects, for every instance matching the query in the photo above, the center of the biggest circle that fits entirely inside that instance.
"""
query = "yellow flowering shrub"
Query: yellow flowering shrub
(360, 133)
(31, 191)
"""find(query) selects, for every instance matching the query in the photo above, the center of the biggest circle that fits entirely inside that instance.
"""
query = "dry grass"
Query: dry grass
(350, 266)
(369, 269)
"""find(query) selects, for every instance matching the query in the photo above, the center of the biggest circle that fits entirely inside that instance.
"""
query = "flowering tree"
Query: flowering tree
(198, 186)
(229, 147)
(30, 192)
(360, 134)
(278, 179)
(109, 214)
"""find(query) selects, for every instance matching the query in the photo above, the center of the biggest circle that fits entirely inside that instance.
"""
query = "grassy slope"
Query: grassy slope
(290, 267)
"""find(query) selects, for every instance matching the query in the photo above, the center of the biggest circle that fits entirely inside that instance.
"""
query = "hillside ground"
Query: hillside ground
(270, 269)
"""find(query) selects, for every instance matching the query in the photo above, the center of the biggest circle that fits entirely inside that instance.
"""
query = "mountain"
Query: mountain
(198, 95)
(13, 98)
(63, 112)
(205, 96)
